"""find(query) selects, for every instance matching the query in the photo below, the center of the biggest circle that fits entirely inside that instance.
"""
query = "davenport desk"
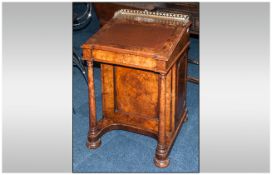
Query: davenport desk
(143, 58)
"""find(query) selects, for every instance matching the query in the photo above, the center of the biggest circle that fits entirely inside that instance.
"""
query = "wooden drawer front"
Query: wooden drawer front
(125, 59)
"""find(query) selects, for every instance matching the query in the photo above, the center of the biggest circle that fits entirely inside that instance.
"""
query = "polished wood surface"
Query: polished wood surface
(144, 39)
(93, 141)
(143, 81)
(143, 86)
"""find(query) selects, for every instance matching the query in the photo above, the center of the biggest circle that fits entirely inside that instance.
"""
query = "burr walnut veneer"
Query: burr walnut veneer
(143, 60)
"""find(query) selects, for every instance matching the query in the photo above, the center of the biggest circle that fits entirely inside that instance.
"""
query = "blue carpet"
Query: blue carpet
(122, 151)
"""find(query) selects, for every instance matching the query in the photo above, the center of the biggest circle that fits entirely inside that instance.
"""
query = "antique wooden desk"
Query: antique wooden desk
(143, 58)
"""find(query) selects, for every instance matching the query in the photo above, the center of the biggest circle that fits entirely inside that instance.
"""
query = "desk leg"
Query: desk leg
(92, 142)
(161, 158)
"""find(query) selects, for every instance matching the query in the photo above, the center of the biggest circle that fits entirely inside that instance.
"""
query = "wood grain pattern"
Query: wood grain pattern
(141, 38)
(161, 159)
(124, 59)
(173, 97)
(168, 100)
(143, 84)
(134, 90)
(181, 85)
(107, 81)
(93, 141)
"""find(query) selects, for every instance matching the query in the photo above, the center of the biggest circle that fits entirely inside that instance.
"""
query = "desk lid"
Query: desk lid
(145, 33)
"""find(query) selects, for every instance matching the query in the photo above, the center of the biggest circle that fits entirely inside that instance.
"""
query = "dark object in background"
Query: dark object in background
(82, 15)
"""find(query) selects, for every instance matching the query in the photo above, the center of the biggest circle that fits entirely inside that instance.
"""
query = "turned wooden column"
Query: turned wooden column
(161, 159)
(93, 142)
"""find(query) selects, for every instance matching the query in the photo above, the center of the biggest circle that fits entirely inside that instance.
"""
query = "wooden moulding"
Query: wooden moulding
(133, 61)
(124, 59)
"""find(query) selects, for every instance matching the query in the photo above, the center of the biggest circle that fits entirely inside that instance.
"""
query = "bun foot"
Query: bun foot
(93, 145)
(161, 163)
